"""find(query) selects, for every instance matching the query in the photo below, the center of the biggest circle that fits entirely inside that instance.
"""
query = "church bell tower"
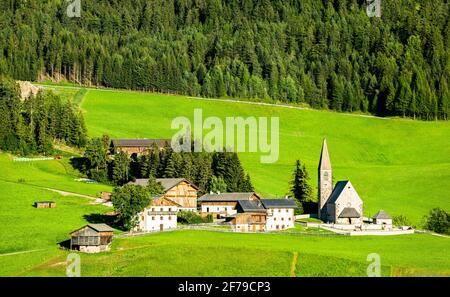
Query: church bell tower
(325, 181)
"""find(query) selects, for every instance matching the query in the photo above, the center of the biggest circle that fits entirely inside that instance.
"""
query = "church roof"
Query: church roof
(382, 215)
(338, 189)
(349, 212)
(324, 163)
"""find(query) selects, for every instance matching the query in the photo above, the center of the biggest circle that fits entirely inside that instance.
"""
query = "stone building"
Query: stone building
(338, 205)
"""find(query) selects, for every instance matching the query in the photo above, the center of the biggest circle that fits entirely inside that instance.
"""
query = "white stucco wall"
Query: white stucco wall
(153, 217)
(228, 209)
(282, 217)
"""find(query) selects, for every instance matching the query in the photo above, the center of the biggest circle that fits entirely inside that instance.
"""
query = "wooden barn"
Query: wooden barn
(179, 190)
(45, 204)
(250, 217)
(137, 146)
(92, 238)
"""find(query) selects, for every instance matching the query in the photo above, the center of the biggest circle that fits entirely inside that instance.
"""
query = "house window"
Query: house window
(287, 210)
(153, 218)
(161, 209)
(169, 218)
(274, 219)
(153, 209)
(161, 218)
(170, 208)
(278, 227)
(282, 219)
(279, 210)
(289, 219)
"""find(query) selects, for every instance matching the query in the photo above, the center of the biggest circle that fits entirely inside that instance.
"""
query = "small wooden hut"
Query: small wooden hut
(92, 238)
(45, 204)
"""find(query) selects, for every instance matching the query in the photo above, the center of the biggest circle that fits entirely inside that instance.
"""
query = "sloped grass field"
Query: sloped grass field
(55, 174)
(203, 253)
(401, 166)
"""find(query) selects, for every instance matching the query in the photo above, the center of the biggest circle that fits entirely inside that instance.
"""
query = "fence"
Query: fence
(203, 227)
(32, 159)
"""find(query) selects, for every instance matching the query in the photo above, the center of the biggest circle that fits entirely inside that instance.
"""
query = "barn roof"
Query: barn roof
(140, 142)
(96, 227)
(349, 212)
(227, 197)
(250, 206)
(279, 203)
(167, 183)
(382, 215)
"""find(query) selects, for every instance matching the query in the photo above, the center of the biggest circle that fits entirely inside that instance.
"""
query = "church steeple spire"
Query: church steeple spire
(325, 180)
(325, 163)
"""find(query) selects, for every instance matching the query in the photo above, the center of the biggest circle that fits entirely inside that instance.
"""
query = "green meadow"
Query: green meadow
(203, 253)
(399, 165)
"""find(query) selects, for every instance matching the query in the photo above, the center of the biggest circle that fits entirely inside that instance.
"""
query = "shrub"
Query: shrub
(400, 220)
(438, 220)
(190, 217)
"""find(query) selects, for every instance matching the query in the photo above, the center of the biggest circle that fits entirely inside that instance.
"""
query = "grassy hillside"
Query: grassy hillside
(29, 237)
(201, 253)
(401, 166)
(54, 174)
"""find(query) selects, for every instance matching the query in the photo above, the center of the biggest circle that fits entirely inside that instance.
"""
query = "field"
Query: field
(202, 253)
(401, 166)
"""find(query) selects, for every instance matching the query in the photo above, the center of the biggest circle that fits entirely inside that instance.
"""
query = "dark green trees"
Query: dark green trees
(322, 53)
(31, 125)
(300, 187)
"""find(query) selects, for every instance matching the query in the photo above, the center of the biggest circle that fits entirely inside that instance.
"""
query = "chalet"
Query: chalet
(179, 190)
(45, 204)
(92, 238)
(159, 216)
(137, 146)
(224, 204)
(250, 216)
(280, 213)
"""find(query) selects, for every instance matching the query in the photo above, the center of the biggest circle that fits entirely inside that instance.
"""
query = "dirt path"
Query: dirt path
(21, 252)
(65, 193)
(294, 264)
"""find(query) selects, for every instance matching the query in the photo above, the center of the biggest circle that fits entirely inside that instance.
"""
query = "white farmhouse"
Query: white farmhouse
(159, 216)
(280, 213)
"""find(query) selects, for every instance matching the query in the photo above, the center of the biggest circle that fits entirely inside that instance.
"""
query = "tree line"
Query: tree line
(216, 172)
(326, 54)
(32, 125)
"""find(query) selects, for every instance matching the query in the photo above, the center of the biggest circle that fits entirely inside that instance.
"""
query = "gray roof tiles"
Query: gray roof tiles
(227, 196)
(349, 212)
(382, 215)
(279, 203)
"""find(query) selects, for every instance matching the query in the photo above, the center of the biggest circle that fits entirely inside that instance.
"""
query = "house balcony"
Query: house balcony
(160, 213)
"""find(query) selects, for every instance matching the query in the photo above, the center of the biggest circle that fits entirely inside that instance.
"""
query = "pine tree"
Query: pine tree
(120, 169)
(300, 188)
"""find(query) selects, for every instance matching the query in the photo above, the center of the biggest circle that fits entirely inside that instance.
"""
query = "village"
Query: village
(339, 207)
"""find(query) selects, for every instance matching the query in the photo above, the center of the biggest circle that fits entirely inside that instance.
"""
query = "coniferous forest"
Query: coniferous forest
(323, 53)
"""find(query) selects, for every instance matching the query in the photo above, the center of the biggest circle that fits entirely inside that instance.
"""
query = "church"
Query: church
(340, 204)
